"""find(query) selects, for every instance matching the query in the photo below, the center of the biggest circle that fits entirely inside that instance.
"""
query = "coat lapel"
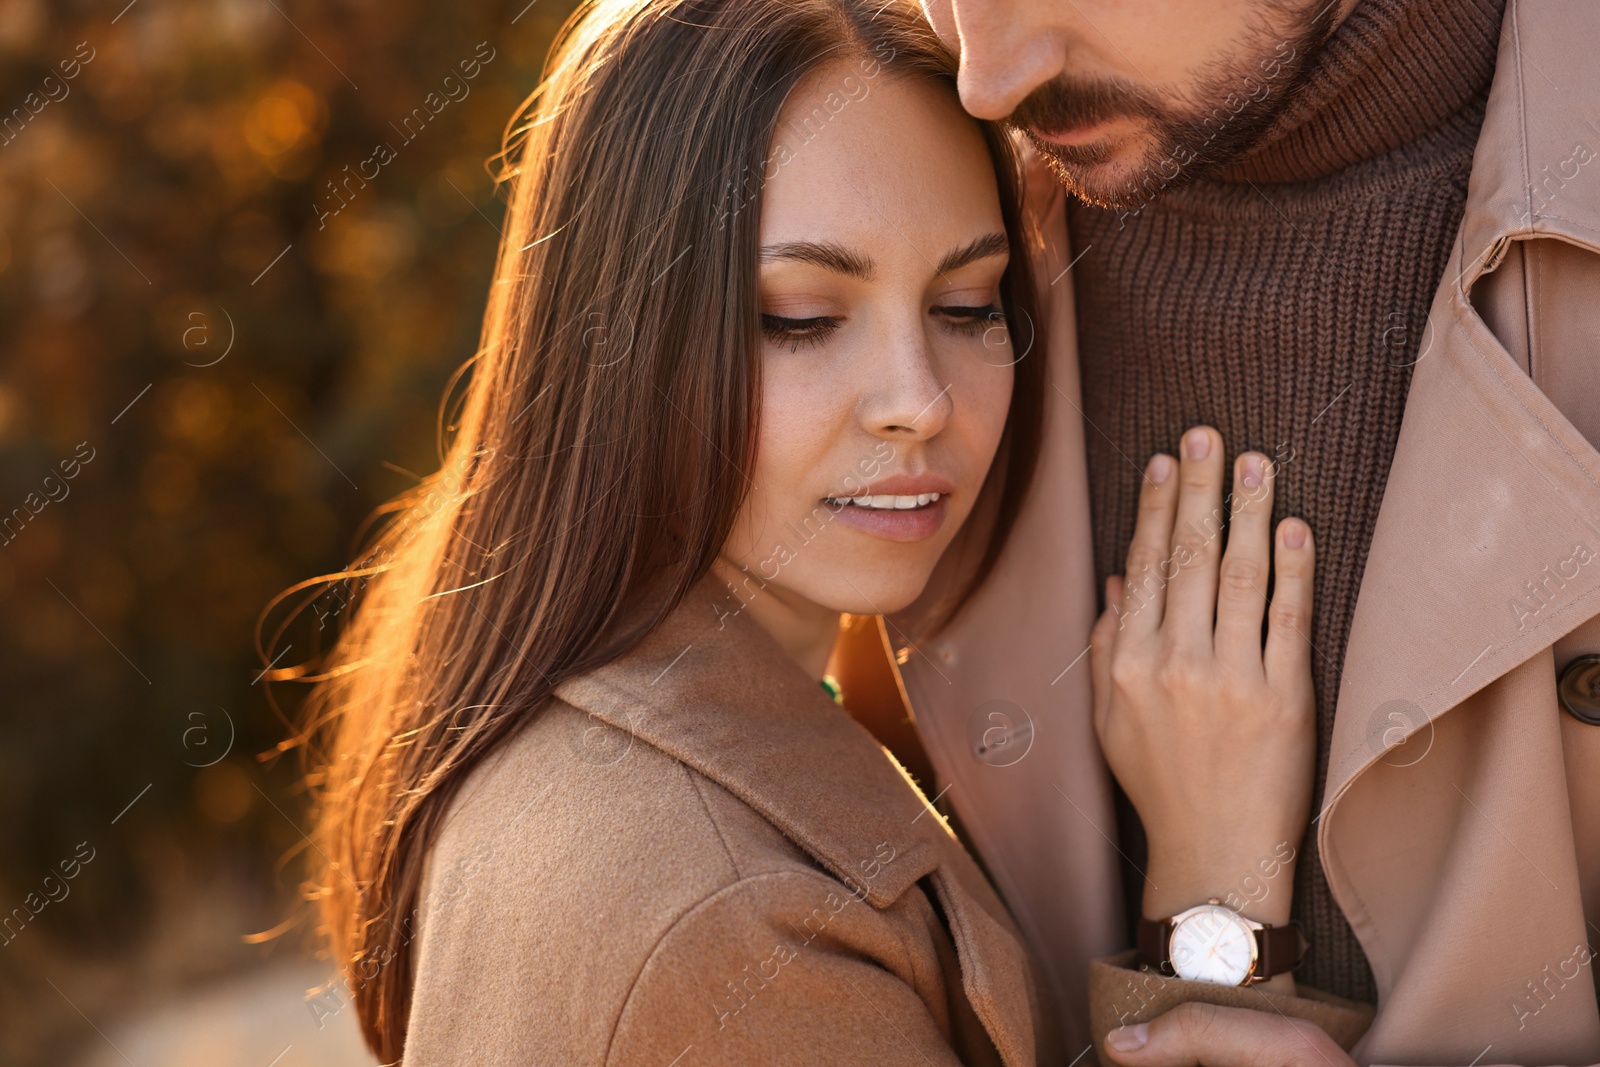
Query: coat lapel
(1492, 500)
(711, 688)
(1446, 838)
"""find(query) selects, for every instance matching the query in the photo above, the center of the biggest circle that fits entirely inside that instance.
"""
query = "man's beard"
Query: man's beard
(1240, 96)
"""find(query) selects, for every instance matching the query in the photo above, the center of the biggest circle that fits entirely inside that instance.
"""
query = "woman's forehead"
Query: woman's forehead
(877, 162)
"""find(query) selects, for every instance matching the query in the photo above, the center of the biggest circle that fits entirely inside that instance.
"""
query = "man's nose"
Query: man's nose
(1006, 52)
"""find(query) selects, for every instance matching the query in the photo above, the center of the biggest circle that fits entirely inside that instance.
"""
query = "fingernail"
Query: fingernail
(1128, 1038)
(1252, 471)
(1160, 469)
(1197, 444)
(1294, 533)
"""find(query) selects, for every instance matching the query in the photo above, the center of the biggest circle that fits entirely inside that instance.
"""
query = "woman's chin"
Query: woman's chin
(875, 591)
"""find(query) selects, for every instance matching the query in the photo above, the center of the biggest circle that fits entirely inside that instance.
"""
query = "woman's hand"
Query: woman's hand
(1211, 736)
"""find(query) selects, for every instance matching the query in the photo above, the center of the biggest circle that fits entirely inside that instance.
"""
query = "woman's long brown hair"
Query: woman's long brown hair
(599, 448)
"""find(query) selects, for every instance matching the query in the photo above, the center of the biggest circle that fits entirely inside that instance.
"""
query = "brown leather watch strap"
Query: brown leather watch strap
(1155, 935)
(1279, 949)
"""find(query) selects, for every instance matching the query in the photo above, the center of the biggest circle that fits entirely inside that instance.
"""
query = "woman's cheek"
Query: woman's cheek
(790, 450)
(989, 387)
(804, 408)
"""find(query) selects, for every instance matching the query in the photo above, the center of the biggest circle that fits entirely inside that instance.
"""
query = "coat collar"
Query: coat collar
(1492, 490)
(710, 687)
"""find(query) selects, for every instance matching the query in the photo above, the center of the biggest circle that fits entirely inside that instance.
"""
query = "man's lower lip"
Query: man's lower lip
(898, 524)
(1077, 135)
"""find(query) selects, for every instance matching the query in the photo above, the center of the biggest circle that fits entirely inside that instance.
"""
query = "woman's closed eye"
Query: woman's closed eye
(971, 320)
(804, 332)
(798, 332)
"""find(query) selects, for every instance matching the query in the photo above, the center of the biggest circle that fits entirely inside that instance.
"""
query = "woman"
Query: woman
(754, 355)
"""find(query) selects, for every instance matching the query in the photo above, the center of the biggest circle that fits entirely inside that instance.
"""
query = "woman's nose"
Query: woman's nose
(905, 397)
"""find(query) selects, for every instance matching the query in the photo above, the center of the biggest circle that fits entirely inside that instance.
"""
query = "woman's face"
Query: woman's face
(886, 368)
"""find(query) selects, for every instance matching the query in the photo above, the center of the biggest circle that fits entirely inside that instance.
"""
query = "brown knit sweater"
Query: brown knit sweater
(1282, 301)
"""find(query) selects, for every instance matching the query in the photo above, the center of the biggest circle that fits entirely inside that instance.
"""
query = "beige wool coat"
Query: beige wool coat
(1460, 830)
(695, 857)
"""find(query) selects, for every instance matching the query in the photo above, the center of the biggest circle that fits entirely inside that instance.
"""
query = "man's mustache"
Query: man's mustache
(1062, 104)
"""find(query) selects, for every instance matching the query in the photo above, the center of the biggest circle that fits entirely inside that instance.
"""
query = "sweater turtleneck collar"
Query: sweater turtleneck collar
(1393, 71)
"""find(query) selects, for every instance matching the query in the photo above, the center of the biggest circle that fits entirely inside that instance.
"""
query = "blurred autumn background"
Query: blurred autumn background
(228, 318)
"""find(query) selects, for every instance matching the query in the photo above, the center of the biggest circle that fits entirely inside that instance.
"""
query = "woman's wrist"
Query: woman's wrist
(1256, 882)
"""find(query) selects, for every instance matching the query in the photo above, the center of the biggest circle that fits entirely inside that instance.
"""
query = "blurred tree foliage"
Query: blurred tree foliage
(252, 361)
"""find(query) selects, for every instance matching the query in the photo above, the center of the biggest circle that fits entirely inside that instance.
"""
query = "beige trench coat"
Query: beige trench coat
(694, 857)
(1461, 826)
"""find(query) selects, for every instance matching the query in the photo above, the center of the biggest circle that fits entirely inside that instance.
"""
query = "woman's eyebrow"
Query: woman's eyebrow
(841, 260)
(990, 244)
(824, 254)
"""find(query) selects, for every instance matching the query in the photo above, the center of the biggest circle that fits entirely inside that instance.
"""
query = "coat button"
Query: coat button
(1579, 689)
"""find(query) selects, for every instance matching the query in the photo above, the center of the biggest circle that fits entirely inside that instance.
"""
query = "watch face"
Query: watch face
(1212, 944)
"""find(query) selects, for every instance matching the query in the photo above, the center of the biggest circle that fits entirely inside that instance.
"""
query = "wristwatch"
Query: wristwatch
(1214, 943)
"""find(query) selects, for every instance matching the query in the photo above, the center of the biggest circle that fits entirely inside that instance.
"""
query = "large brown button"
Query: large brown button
(1579, 689)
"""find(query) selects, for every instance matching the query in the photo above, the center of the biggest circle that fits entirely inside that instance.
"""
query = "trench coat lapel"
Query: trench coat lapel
(1441, 830)
(710, 687)
(1491, 489)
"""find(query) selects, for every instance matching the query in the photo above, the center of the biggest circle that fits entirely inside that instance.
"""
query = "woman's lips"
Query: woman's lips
(893, 523)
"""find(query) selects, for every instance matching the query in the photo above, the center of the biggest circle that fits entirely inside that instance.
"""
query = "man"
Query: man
(1362, 236)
